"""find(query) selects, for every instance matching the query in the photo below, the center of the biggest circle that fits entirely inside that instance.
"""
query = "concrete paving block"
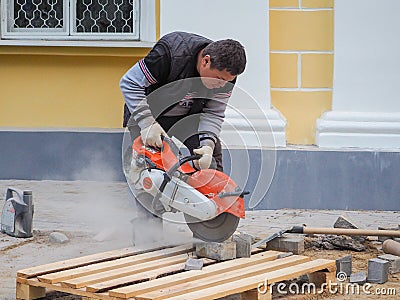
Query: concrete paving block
(344, 265)
(193, 264)
(342, 222)
(394, 262)
(359, 278)
(384, 238)
(378, 270)
(287, 244)
(217, 251)
(243, 244)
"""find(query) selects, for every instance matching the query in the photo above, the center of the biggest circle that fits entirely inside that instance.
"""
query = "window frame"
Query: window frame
(145, 21)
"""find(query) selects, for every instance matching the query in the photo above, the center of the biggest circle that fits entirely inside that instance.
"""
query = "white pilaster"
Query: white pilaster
(247, 22)
(366, 106)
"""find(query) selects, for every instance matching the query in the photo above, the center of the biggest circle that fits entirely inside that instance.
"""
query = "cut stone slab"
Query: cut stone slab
(344, 265)
(193, 264)
(342, 222)
(384, 238)
(378, 270)
(287, 244)
(217, 251)
(394, 262)
(359, 278)
(58, 238)
(243, 244)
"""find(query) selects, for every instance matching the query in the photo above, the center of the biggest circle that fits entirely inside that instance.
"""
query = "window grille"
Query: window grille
(71, 19)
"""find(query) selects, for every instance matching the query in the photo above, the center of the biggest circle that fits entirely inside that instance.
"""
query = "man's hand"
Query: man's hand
(151, 136)
(206, 157)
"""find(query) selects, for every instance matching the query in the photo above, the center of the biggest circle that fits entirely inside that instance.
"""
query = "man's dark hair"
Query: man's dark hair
(226, 55)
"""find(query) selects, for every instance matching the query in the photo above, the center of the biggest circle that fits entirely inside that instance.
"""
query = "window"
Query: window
(70, 19)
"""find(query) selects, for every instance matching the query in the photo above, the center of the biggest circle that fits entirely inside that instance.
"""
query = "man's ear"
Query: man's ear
(206, 60)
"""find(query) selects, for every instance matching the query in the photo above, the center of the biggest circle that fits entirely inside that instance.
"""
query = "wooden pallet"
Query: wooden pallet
(160, 274)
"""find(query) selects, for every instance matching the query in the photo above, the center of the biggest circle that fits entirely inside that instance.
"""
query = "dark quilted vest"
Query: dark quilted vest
(182, 47)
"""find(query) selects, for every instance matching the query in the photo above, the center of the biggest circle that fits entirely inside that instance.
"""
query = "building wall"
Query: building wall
(73, 79)
(301, 63)
(72, 87)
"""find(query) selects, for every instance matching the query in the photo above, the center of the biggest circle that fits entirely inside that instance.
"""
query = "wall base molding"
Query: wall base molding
(253, 128)
(342, 129)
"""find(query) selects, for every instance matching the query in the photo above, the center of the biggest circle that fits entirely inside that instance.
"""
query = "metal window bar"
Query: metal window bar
(36, 17)
(90, 19)
(105, 19)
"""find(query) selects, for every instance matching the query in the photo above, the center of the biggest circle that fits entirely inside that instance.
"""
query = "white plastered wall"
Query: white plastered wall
(366, 100)
(250, 121)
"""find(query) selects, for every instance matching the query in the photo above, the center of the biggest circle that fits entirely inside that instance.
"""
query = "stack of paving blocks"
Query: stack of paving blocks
(289, 243)
(378, 268)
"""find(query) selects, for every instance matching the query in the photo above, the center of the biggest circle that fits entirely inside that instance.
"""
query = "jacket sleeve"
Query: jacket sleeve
(214, 113)
(153, 69)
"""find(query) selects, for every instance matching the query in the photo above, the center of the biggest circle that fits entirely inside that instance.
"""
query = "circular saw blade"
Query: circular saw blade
(218, 229)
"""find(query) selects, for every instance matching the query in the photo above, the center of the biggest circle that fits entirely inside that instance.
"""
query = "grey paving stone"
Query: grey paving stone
(359, 278)
(344, 265)
(394, 262)
(378, 270)
(217, 251)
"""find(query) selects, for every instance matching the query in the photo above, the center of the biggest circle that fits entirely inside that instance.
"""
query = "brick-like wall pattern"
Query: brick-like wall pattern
(301, 63)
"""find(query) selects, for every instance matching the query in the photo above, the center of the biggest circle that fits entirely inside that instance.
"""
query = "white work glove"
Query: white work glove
(206, 157)
(151, 135)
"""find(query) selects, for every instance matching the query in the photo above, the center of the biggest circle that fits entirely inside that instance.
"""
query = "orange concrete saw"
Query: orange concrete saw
(165, 181)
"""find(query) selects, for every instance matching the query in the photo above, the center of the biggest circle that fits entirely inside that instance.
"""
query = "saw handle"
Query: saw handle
(170, 143)
(174, 168)
(170, 172)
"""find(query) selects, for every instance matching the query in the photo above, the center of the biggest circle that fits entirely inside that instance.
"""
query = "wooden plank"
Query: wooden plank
(249, 283)
(27, 292)
(83, 261)
(130, 270)
(140, 288)
(255, 295)
(114, 283)
(114, 264)
(221, 278)
(56, 287)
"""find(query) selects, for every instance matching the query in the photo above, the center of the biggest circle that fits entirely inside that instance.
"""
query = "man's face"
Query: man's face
(212, 78)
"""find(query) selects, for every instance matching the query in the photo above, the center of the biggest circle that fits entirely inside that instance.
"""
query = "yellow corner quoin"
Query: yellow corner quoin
(317, 3)
(284, 3)
(301, 110)
(301, 30)
(317, 70)
(283, 68)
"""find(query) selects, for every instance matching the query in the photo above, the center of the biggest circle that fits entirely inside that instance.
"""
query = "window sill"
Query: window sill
(75, 48)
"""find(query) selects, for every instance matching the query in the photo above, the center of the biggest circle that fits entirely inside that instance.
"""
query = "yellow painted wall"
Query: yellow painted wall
(301, 63)
(55, 87)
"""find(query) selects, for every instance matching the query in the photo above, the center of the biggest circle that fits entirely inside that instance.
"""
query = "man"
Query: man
(181, 88)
